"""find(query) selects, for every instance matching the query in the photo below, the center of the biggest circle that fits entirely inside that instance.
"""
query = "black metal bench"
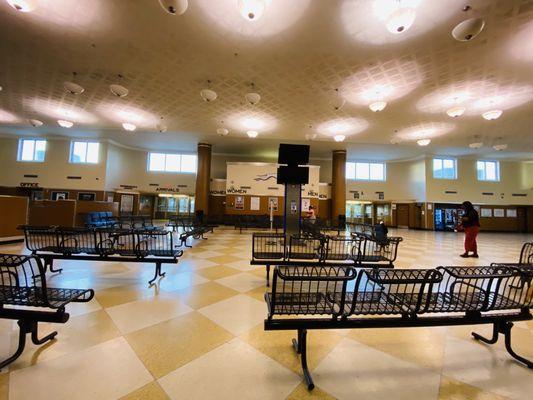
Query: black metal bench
(197, 232)
(23, 285)
(326, 297)
(102, 244)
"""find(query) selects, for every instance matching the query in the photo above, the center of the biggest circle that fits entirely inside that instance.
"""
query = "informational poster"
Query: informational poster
(511, 213)
(294, 207)
(306, 203)
(273, 203)
(59, 195)
(86, 196)
(126, 203)
(499, 212)
(255, 204)
(486, 212)
(430, 206)
(239, 202)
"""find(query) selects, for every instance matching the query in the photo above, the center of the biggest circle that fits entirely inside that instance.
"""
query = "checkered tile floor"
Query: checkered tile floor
(198, 334)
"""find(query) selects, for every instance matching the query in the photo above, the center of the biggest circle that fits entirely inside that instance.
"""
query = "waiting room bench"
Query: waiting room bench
(102, 244)
(23, 285)
(332, 297)
(196, 232)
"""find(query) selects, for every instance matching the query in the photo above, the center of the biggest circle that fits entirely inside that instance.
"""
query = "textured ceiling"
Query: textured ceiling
(296, 55)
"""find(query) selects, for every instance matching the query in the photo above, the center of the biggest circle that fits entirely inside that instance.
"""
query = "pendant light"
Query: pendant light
(492, 114)
(455, 112)
(117, 89)
(339, 138)
(401, 19)
(35, 123)
(161, 127)
(222, 132)
(423, 142)
(72, 87)
(65, 124)
(207, 94)
(251, 10)
(378, 106)
(252, 98)
(174, 7)
(252, 134)
(22, 5)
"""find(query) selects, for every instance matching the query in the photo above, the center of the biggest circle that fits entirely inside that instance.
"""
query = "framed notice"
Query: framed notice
(85, 196)
(59, 195)
(486, 212)
(499, 212)
(239, 202)
(255, 204)
(273, 203)
(126, 203)
(306, 203)
(511, 213)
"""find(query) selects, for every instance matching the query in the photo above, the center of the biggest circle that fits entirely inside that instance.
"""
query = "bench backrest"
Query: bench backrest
(268, 246)
(22, 281)
(526, 254)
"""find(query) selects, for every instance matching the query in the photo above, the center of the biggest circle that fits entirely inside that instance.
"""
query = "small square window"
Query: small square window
(84, 152)
(444, 168)
(32, 150)
(488, 171)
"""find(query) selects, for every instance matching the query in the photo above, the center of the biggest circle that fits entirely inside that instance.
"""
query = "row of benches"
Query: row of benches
(105, 219)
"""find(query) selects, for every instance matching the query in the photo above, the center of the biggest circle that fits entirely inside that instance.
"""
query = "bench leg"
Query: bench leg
(506, 330)
(157, 273)
(35, 338)
(50, 263)
(494, 338)
(268, 275)
(300, 346)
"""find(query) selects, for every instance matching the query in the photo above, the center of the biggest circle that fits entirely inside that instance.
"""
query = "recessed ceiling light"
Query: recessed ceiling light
(455, 112)
(339, 138)
(65, 124)
(475, 145)
(252, 134)
(401, 20)
(174, 7)
(252, 10)
(468, 29)
(499, 147)
(118, 90)
(73, 88)
(22, 5)
(492, 114)
(208, 95)
(35, 123)
(128, 126)
(423, 142)
(222, 131)
(378, 106)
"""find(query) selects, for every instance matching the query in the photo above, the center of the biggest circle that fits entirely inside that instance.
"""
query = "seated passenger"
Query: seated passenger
(381, 233)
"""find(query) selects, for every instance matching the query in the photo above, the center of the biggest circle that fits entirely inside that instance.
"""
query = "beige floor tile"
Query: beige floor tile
(217, 272)
(423, 346)
(122, 294)
(105, 371)
(233, 370)
(258, 293)
(78, 333)
(237, 314)
(152, 391)
(454, 390)
(170, 283)
(224, 259)
(4, 386)
(192, 264)
(355, 371)
(242, 282)
(301, 393)
(205, 294)
(140, 314)
(278, 346)
(171, 344)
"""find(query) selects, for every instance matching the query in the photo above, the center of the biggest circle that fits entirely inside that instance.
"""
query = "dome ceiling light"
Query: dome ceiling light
(65, 124)
(208, 95)
(468, 29)
(310, 136)
(252, 10)
(378, 106)
(222, 132)
(423, 142)
(174, 7)
(499, 147)
(72, 87)
(161, 127)
(252, 134)
(35, 123)
(455, 112)
(492, 114)
(117, 89)
(129, 127)
(401, 19)
(252, 98)
(22, 5)
(475, 145)
(338, 101)
(339, 138)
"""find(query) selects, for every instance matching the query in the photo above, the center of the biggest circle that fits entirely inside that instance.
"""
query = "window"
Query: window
(363, 171)
(160, 162)
(84, 152)
(31, 150)
(488, 171)
(444, 168)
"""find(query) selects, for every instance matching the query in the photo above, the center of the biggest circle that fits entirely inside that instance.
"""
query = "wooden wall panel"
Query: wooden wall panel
(217, 205)
(13, 212)
(324, 209)
(263, 205)
(48, 212)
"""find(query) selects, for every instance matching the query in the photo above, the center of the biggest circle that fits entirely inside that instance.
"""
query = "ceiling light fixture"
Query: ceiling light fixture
(72, 87)
(468, 29)
(252, 98)
(65, 124)
(378, 106)
(174, 7)
(252, 10)
(310, 136)
(492, 114)
(128, 126)
(455, 112)
(161, 127)
(339, 138)
(499, 147)
(35, 123)
(423, 142)
(475, 145)
(208, 95)
(338, 101)
(22, 5)
(252, 134)
(117, 89)
(401, 19)
(222, 132)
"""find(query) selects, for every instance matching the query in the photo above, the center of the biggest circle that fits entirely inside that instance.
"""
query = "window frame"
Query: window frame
(442, 159)
(35, 140)
(497, 170)
(87, 142)
(369, 164)
(165, 171)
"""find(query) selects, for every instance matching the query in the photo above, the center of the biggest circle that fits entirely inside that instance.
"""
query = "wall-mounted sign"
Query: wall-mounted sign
(86, 196)
(217, 192)
(126, 203)
(273, 203)
(129, 187)
(356, 194)
(29, 184)
(294, 207)
(255, 203)
(381, 195)
(59, 195)
(499, 212)
(239, 202)
(306, 203)
(511, 213)
(168, 189)
(232, 190)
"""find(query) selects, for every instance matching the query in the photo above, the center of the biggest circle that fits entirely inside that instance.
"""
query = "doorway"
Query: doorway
(402, 215)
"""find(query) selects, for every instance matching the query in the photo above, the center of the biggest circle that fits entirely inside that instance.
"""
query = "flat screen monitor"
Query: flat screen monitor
(293, 154)
(295, 175)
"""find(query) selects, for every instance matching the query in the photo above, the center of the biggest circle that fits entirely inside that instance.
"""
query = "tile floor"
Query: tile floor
(198, 334)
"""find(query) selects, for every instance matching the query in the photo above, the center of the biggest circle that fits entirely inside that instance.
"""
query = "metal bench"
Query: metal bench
(23, 285)
(196, 232)
(325, 297)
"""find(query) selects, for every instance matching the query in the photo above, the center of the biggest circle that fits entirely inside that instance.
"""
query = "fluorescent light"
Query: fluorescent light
(339, 138)
(378, 106)
(129, 127)
(252, 134)
(423, 142)
(492, 114)
(65, 124)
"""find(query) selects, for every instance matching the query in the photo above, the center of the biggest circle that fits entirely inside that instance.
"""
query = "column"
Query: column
(338, 184)
(203, 178)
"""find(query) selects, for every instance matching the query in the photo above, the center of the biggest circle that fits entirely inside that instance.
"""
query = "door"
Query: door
(521, 219)
(402, 215)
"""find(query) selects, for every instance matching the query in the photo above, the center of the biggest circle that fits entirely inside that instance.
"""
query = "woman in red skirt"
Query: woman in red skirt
(470, 224)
